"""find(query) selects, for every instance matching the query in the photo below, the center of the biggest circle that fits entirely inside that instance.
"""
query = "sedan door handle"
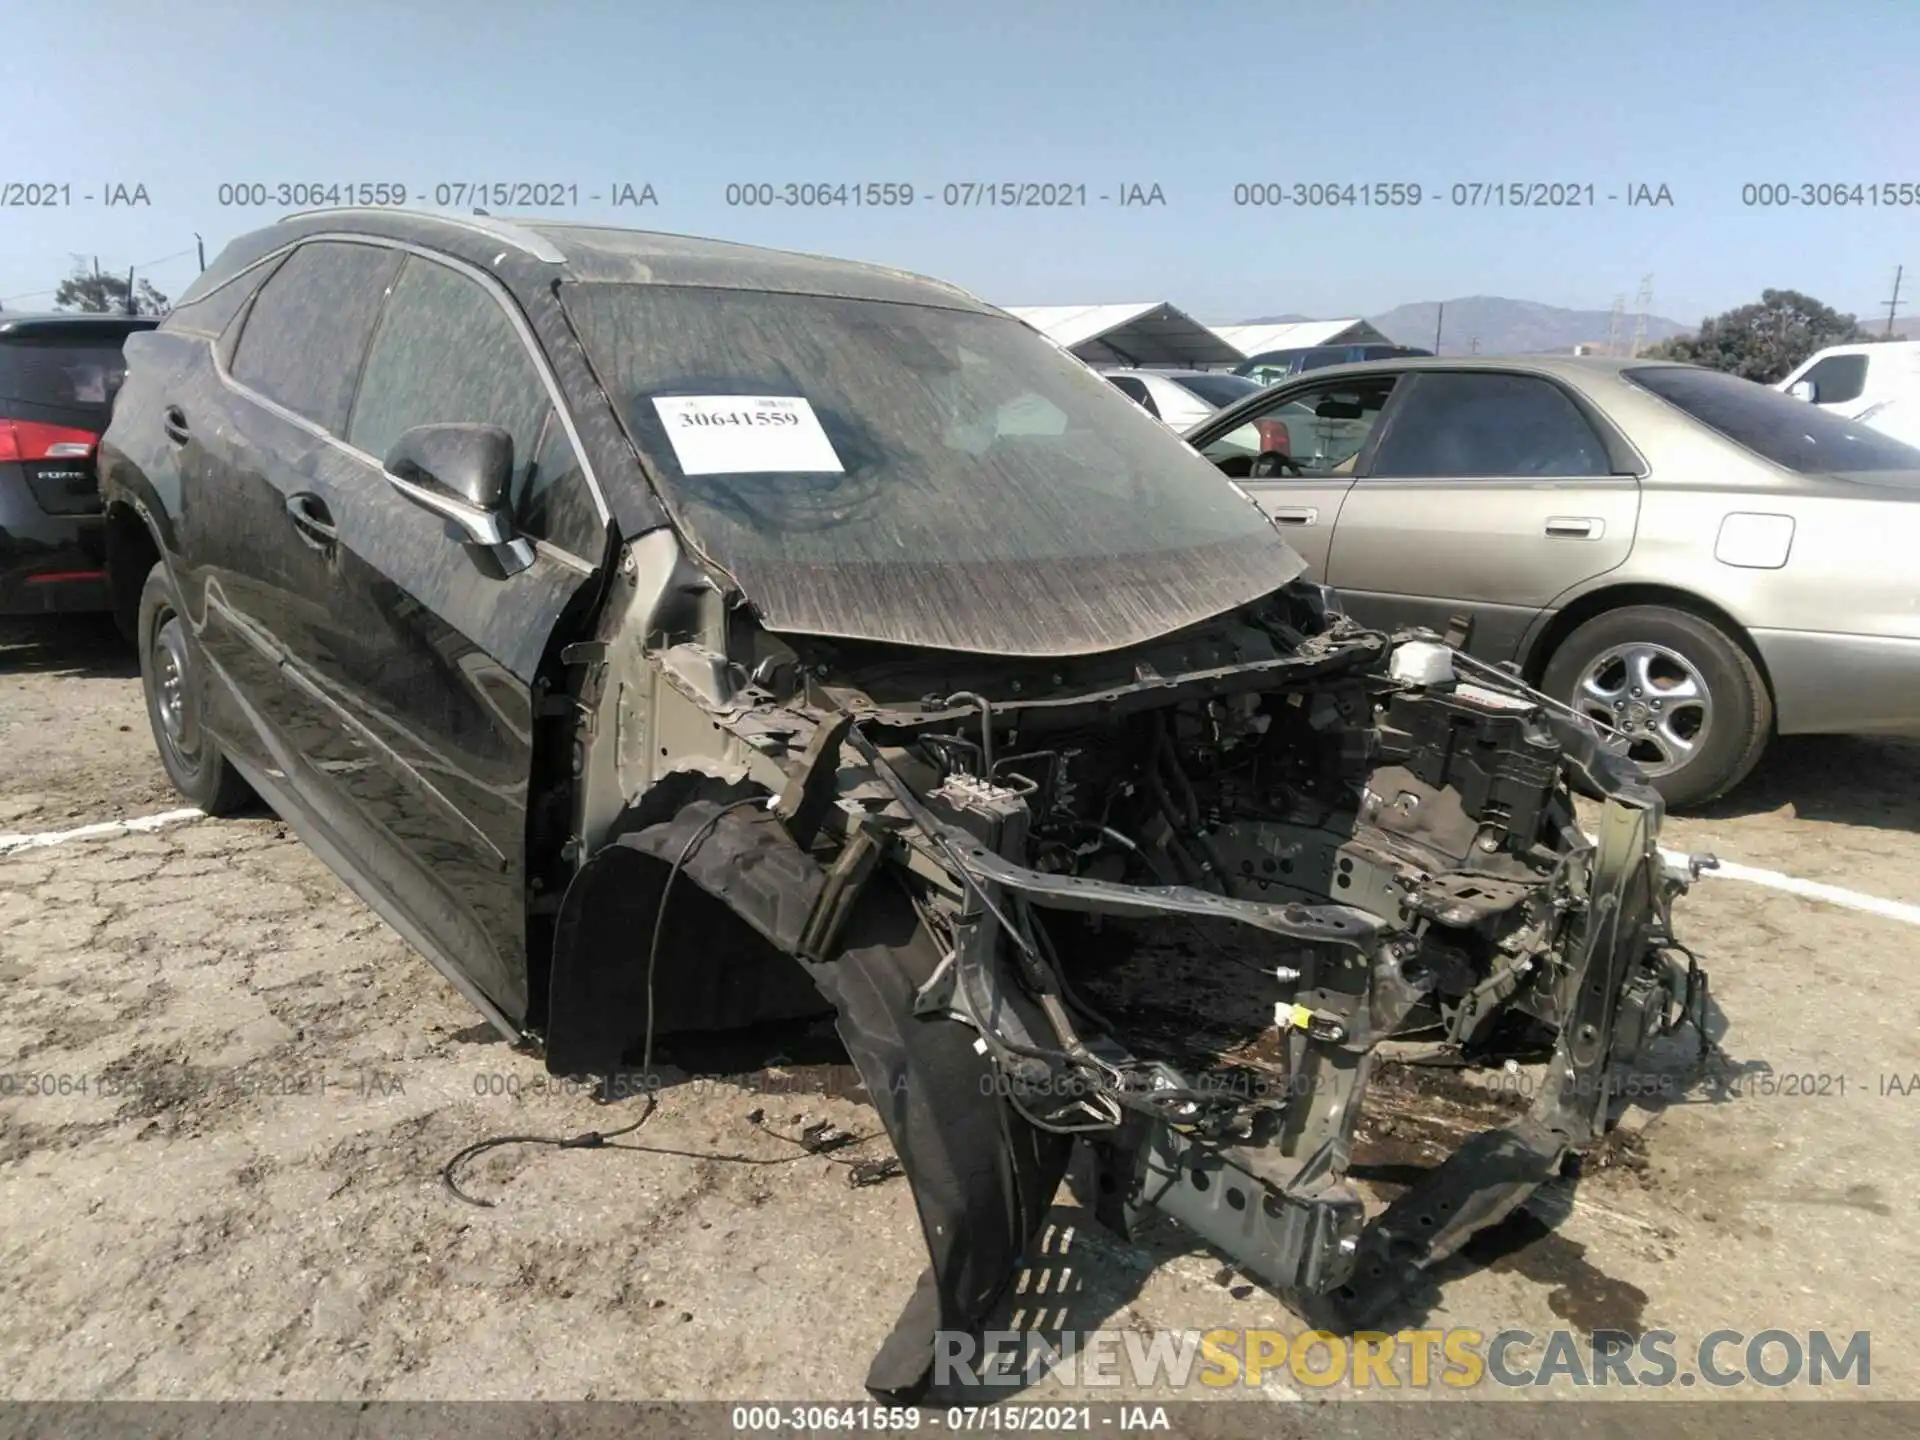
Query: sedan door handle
(1294, 514)
(312, 518)
(173, 420)
(1575, 527)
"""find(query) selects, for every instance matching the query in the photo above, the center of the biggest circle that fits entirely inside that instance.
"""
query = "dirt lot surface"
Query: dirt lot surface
(238, 1194)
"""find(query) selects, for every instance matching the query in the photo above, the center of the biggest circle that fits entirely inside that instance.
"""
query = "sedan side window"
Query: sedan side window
(1318, 430)
(1484, 423)
(305, 335)
(445, 354)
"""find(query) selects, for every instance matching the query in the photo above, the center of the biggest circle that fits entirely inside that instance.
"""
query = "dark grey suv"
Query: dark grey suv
(531, 571)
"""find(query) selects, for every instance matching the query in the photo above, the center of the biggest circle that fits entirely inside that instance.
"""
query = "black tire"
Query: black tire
(1680, 653)
(175, 692)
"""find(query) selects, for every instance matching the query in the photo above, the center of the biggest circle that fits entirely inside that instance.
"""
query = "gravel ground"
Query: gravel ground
(245, 1201)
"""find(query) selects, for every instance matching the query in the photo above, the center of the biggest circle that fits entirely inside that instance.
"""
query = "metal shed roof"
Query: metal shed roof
(1148, 333)
(1258, 339)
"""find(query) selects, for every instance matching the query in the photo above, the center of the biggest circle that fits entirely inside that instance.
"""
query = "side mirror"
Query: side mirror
(461, 473)
(1802, 390)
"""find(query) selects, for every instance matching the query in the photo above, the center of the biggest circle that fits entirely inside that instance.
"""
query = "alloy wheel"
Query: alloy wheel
(1653, 697)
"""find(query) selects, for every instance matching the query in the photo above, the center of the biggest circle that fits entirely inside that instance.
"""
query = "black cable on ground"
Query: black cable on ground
(600, 1139)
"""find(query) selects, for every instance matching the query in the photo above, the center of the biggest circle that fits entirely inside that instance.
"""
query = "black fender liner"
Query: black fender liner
(983, 1178)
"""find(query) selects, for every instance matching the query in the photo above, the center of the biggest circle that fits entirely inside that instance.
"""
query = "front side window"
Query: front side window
(1838, 379)
(557, 504)
(306, 332)
(1482, 423)
(1313, 430)
(447, 354)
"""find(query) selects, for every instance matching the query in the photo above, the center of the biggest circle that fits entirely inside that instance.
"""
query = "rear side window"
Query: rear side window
(1838, 379)
(214, 311)
(1476, 423)
(446, 353)
(1776, 427)
(307, 331)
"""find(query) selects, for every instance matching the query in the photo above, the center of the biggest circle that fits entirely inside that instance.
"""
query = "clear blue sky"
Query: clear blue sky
(1699, 95)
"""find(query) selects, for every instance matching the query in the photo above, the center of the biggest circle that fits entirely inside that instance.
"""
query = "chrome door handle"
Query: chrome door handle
(1576, 527)
(1293, 514)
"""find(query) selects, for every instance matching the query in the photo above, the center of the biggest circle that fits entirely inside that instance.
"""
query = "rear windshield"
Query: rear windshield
(1791, 433)
(1218, 390)
(68, 374)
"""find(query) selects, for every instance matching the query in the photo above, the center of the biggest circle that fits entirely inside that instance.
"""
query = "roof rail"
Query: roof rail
(534, 244)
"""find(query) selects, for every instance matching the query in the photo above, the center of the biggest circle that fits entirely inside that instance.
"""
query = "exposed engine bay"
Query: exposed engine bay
(958, 852)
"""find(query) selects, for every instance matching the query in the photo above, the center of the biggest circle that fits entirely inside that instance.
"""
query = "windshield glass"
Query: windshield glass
(907, 472)
(1777, 427)
(1218, 391)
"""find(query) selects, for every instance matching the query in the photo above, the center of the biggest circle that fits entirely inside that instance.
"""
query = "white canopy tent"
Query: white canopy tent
(1148, 334)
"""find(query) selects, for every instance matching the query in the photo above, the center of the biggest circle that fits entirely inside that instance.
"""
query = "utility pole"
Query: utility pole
(132, 309)
(1613, 324)
(1438, 320)
(1473, 347)
(201, 245)
(1641, 304)
(1894, 304)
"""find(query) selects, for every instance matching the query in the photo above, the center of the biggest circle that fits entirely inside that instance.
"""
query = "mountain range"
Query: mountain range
(1501, 326)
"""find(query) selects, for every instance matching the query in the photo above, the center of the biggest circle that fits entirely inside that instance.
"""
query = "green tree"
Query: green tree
(1764, 342)
(105, 293)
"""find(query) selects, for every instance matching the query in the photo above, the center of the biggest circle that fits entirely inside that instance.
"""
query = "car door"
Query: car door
(1486, 493)
(254, 450)
(433, 645)
(1295, 454)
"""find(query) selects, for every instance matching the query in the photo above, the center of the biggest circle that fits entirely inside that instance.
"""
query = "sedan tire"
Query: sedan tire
(1688, 698)
(175, 690)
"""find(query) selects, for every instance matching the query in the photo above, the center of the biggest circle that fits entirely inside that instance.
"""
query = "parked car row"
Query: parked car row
(529, 570)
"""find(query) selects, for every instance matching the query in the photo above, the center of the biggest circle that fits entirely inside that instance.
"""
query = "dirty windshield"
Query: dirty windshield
(919, 474)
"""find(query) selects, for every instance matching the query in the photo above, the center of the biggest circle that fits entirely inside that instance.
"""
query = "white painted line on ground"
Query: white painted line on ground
(1807, 889)
(12, 843)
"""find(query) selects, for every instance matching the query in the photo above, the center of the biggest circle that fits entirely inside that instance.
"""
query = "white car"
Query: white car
(1876, 384)
(1181, 398)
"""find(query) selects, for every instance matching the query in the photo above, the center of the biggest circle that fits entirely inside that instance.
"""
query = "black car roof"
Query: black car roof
(58, 324)
(537, 253)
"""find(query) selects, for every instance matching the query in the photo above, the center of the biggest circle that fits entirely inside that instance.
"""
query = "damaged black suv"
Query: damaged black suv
(531, 571)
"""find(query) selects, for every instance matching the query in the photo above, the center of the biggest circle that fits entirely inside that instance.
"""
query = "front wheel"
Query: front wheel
(174, 690)
(1684, 695)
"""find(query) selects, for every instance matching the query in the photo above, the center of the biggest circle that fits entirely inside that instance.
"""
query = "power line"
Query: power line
(82, 263)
